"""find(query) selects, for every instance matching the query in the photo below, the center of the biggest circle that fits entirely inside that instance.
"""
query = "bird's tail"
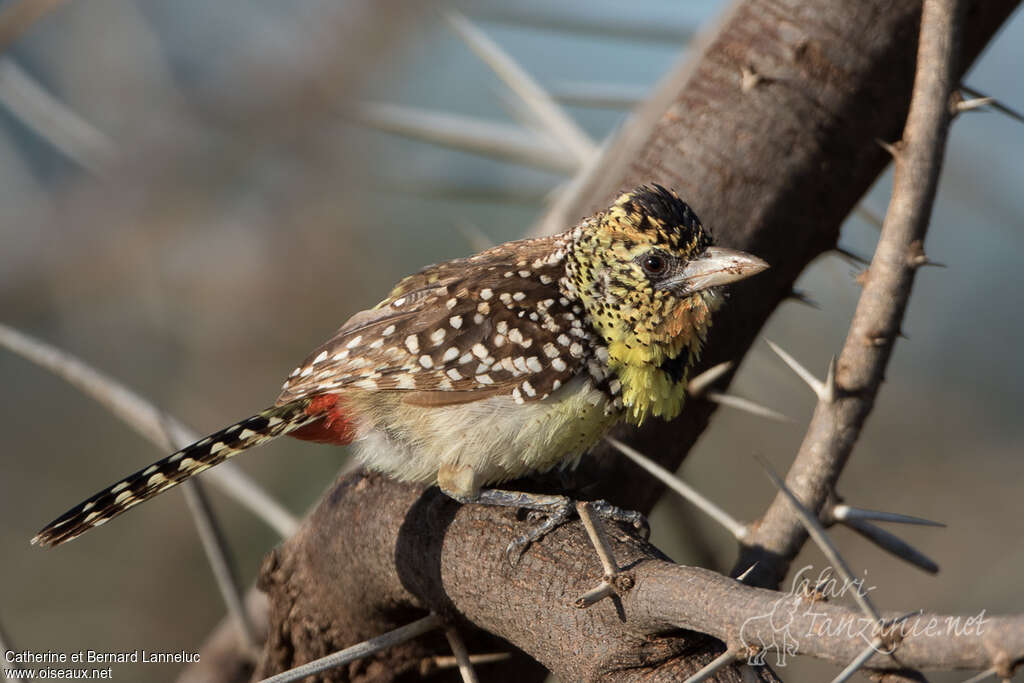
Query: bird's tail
(174, 469)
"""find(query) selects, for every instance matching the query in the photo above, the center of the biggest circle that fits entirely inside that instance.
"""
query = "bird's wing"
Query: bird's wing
(495, 323)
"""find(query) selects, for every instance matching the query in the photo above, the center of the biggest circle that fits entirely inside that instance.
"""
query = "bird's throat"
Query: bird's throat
(653, 362)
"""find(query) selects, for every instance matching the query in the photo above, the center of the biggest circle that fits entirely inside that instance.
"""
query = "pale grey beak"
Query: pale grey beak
(716, 266)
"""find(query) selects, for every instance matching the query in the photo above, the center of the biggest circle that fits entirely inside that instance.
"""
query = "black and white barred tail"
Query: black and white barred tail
(173, 470)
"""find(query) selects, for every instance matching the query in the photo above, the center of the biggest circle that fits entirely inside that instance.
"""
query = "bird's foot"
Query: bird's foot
(552, 511)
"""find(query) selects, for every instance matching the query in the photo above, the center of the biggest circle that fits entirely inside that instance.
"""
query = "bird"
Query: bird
(485, 369)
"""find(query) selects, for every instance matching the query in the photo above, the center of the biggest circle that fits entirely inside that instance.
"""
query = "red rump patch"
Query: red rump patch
(334, 428)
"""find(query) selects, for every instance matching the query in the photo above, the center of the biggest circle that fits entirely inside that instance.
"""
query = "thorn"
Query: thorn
(738, 530)
(749, 79)
(699, 384)
(960, 105)
(717, 664)
(594, 595)
(599, 540)
(868, 215)
(829, 394)
(862, 277)
(850, 256)
(746, 405)
(461, 655)
(893, 544)
(843, 512)
(982, 676)
(893, 148)
(822, 540)
(804, 298)
(821, 390)
(477, 239)
(746, 573)
(366, 648)
(430, 665)
(916, 258)
(859, 661)
(995, 104)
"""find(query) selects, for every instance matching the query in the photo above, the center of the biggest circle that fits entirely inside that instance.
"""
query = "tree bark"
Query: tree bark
(770, 134)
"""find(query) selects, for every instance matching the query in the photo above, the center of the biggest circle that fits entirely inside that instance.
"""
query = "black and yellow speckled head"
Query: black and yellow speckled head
(647, 274)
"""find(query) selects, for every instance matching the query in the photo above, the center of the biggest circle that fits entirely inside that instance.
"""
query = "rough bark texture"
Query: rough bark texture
(773, 162)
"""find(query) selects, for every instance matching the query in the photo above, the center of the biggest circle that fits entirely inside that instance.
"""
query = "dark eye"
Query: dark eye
(654, 264)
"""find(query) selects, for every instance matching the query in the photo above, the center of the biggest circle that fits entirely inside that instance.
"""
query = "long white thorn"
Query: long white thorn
(868, 215)
(821, 538)
(702, 382)
(893, 544)
(823, 391)
(973, 103)
(746, 405)
(843, 512)
(54, 121)
(742, 578)
(987, 673)
(734, 527)
(546, 111)
(462, 658)
(717, 664)
(858, 661)
(359, 650)
(487, 138)
(600, 95)
(477, 239)
(995, 104)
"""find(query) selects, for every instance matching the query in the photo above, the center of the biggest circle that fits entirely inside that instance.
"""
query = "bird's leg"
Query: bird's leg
(556, 510)
(460, 483)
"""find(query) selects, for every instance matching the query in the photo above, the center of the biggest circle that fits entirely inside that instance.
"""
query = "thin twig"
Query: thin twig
(461, 654)
(217, 555)
(734, 527)
(147, 420)
(834, 429)
(360, 650)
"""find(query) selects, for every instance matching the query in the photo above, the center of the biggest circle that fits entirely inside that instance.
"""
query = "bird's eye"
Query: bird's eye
(654, 264)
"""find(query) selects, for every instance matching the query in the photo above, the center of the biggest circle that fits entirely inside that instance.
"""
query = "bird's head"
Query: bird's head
(648, 277)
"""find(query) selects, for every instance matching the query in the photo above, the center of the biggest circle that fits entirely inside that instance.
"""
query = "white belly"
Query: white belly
(495, 437)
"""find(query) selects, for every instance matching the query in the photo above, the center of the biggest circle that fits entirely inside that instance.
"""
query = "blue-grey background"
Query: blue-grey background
(244, 220)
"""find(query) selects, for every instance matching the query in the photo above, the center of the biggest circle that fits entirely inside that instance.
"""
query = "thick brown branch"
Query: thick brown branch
(636, 635)
(836, 424)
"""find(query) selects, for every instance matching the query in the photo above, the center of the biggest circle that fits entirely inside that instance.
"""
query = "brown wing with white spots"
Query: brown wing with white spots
(459, 331)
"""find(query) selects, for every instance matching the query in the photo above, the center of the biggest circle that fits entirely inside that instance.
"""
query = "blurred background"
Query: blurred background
(194, 194)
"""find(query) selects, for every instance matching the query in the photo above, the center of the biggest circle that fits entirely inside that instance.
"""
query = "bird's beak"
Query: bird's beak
(716, 266)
